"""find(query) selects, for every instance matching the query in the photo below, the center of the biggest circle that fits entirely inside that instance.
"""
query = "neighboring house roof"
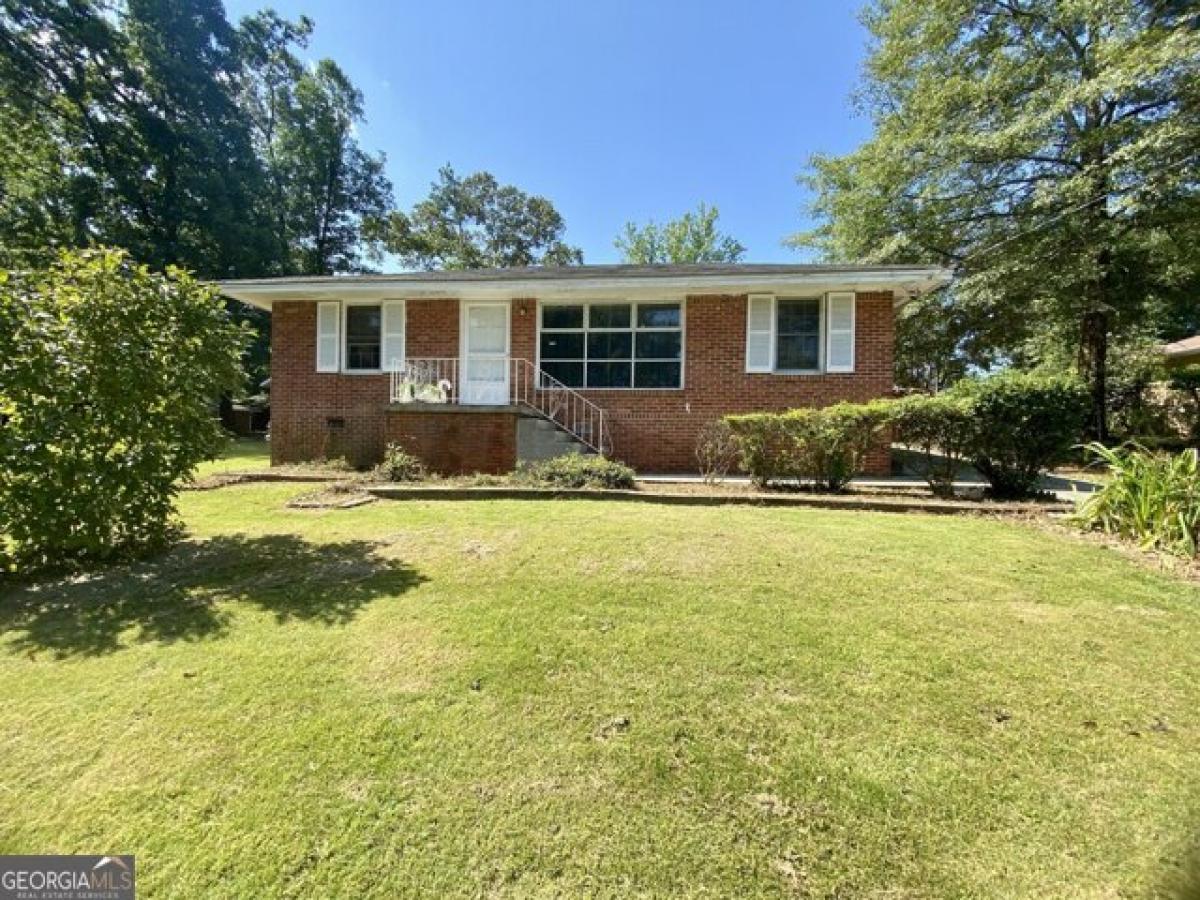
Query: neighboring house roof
(1188, 348)
(906, 281)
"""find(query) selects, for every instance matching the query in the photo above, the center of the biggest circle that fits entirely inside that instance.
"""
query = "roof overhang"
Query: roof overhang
(635, 282)
(1182, 352)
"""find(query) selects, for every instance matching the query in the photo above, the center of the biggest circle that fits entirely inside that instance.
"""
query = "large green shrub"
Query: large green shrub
(827, 446)
(942, 429)
(578, 470)
(1151, 498)
(1025, 422)
(109, 377)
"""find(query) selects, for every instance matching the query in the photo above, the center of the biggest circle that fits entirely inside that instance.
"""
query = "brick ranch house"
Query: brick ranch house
(474, 371)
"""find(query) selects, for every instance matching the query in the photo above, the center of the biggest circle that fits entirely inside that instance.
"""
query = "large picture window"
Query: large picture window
(613, 345)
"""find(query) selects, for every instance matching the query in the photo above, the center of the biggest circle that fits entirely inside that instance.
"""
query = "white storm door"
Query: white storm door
(485, 354)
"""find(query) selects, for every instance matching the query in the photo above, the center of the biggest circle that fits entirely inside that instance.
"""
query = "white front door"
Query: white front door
(485, 354)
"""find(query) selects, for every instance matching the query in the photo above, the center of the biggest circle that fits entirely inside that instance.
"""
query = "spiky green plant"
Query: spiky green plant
(1151, 498)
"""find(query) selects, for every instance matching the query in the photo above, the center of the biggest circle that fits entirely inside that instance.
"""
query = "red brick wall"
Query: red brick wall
(431, 327)
(655, 431)
(651, 430)
(303, 400)
(454, 442)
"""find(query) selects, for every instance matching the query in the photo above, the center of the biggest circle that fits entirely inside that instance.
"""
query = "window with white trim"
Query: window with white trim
(355, 336)
(800, 335)
(612, 345)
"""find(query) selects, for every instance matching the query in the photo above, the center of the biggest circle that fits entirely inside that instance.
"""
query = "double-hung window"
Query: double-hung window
(360, 337)
(364, 326)
(612, 345)
(800, 335)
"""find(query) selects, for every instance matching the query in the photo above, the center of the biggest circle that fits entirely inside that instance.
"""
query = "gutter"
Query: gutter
(905, 283)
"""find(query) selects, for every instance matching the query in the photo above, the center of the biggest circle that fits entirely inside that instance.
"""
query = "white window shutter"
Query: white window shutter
(760, 333)
(391, 340)
(839, 331)
(329, 320)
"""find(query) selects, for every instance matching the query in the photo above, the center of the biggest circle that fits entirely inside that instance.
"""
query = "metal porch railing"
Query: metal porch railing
(436, 380)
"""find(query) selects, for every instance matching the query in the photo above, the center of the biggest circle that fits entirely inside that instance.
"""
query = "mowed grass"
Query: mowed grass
(579, 698)
(244, 454)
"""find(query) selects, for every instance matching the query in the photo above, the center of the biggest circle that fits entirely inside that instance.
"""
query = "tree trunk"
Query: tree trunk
(1093, 337)
(1093, 364)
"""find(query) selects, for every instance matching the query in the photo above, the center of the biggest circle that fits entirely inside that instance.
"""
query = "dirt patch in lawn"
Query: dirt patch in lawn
(331, 498)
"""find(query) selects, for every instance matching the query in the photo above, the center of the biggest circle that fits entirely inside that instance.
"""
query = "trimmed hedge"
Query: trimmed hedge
(827, 446)
(1010, 426)
(941, 428)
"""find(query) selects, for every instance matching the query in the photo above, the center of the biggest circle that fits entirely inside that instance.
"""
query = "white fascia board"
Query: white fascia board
(904, 283)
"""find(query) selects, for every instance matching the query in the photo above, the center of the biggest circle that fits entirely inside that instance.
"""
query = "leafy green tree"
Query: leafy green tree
(65, 140)
(1045, 149)
(334, 189)
(321, 187)
(120, 118)
(476, 222)
(158, 127)
(692, 238)
(204, 198)
(107, 393)
(270, 70)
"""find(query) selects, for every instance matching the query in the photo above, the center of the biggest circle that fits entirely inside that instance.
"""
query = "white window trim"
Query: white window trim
(634, 329)
(823, 337)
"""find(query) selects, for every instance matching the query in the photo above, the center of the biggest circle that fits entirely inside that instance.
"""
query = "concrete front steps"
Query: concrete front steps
(539, 439)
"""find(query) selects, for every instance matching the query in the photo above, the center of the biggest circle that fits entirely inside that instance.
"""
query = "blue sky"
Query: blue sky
(613, 110)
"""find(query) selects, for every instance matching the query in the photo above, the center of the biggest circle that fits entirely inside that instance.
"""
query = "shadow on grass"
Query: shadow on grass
(175, 597)
(1185, 883)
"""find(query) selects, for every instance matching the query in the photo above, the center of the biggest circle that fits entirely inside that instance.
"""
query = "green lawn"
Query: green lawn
(590, 699)
(245, 454)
